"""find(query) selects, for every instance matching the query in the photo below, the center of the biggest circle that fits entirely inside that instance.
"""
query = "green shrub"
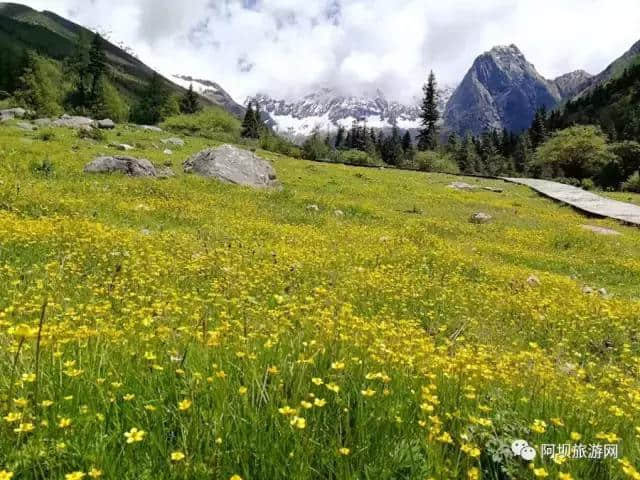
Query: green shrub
(576, 152)
(213, 123)
(46, 135)
(274, 143)
(435, 162)
(44, 168)
(357, 157)
(92, 134)
(42, 86)
(632, 184)
(587, 184)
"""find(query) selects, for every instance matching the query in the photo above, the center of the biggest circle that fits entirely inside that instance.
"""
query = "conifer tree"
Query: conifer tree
(150, 109)
(189, 103)
(339, 143)
(428, 137)
(523, 154)
(250, 124)
(407, 143)
(97, 65)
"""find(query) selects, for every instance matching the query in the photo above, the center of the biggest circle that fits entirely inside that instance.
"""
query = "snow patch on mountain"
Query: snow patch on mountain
(326, 109)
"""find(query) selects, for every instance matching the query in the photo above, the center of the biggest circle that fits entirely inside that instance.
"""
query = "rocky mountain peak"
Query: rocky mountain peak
(570, 84)
(501, 90)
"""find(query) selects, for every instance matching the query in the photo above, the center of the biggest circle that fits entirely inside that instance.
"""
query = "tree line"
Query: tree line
(83, 83)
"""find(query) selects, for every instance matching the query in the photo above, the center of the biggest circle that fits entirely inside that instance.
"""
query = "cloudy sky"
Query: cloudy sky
(289, 47)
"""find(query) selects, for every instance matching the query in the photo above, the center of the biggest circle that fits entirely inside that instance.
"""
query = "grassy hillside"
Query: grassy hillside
(195, 330)
(55, 38)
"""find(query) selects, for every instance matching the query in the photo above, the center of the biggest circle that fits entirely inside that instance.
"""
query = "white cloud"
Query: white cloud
(287, 47)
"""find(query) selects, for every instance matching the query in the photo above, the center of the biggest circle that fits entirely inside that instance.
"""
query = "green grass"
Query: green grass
(157, 291)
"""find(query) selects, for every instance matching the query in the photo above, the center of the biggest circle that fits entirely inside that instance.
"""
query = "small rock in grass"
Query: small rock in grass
(587, 290)
(600, 230)
(493, 189)
(168, 152)
(122, 146)
(462, 186)
(533, 281)
(339, 213)
(176, 142)
(26, 126)
(150, 128)
(480, 217)
(106, 124)
(165, 172)
(313, 208)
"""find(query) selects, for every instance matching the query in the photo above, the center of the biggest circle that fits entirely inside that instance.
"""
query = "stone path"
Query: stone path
(583, 200)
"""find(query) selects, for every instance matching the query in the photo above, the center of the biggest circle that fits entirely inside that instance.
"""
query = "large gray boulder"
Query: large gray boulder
(233, 165)
(134, 167)
(11, 113)
(73, 122)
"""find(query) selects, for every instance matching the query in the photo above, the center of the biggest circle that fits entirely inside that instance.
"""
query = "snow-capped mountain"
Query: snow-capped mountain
(327, 109)
(212, 91)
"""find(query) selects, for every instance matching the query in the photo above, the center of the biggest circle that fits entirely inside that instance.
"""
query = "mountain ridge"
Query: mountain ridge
(326, 109)
(502, 89)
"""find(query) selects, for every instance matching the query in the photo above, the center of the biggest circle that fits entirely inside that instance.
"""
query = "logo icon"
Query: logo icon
(521, 448)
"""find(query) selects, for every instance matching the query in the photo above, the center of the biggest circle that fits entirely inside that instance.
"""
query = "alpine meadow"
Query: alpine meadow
(193, 288)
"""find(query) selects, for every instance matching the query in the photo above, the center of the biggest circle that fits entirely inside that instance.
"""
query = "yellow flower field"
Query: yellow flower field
(188, 329)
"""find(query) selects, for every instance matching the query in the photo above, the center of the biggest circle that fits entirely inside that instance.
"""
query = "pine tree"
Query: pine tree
(151, 107)
(97, 65)
(407, 143)
(339, 143)
(523, 154)
(250, 124)
(453, 143)
(189, 103)
(428, 137)
(538, 130)
(467, 156)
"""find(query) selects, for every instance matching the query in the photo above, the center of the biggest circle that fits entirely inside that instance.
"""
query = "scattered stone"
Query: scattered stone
(176, 142)
(480, 217)
(150, 128)
(168, 152)
(165, 172)
(146, 232)
(533, 281)
(600, 230)
(233, 165)
(313, 208)
(134, 167)
(603, 292)
(42, 122)
(69, 121)
(587, 290)
(11, 113)
(121, 146)
(106, 124)
(462, 186)
(339, 213)
(26, 126)
(493, 189)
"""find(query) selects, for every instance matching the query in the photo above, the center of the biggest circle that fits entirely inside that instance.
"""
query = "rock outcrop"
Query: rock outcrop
(501, 90)
(133, 167)
(233, 165)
